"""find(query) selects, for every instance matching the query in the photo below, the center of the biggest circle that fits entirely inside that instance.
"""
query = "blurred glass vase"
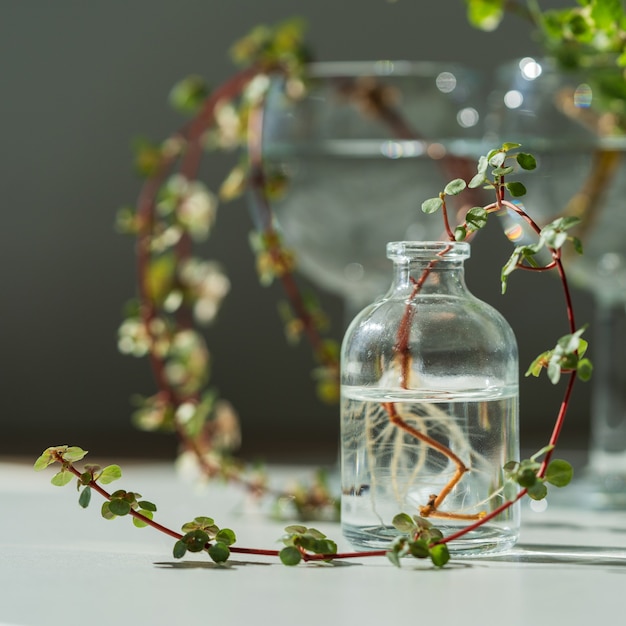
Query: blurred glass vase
(362, 145)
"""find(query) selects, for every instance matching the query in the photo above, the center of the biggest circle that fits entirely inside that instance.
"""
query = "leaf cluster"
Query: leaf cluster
(300, 540)
(123, 502)
(490, 173)
(552, 236)
(566, 356)
(203, 535)
(574, 35)
(526, 474)
(420, 539)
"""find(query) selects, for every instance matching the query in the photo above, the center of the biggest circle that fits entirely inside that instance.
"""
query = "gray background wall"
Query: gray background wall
(78, 81)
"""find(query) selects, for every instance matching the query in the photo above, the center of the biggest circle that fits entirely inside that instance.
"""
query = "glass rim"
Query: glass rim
(384, 67)
(444, 250)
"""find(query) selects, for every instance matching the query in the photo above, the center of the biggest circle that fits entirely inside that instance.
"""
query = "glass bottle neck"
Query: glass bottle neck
(428, 267)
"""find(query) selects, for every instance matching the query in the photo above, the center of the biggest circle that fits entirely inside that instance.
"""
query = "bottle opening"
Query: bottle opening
(428, 250)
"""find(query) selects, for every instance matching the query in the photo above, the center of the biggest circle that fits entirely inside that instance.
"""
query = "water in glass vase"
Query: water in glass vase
(435, 454)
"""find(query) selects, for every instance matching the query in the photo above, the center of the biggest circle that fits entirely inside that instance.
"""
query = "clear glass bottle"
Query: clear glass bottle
(429, 408)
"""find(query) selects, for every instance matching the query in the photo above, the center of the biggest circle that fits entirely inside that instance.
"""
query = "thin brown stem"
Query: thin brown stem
(401, 348)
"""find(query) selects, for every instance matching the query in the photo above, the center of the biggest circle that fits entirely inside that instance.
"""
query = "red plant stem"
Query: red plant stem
(105, 494)
(234, 549)
(401, 347)
(264, 211)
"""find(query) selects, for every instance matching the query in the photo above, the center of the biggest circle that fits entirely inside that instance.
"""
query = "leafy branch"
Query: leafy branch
(419, 538)
(576, 35)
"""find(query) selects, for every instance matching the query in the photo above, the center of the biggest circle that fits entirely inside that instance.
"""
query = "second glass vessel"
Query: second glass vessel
(429, 409)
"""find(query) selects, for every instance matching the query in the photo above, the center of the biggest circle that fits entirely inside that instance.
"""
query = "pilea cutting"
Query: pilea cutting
(419, 537)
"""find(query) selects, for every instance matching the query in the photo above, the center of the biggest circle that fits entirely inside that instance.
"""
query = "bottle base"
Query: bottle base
(486, 539)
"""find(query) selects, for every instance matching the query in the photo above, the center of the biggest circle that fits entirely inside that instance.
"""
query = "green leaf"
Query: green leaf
(584, 370)
(296, 529)
(73, 454)
(554, 371)
(455, 187)
(460, 233)
(180, 549)
(510, 466)
(419, 549)
(526, 161)
(496, 158)
(109, 474)
(538, 364)
(404, 523)
(62, 478)
(508, 146)
(204, 521)
(139, 523)
(516, 189)
(85, 478)
(432, 205)
(196, 540)
(439, 554)
(538, 491)
(394, 557)
(226, 536)
(317, 534)
(85, 497)
(147, 506)
(476, 218)
(325, 546)
(105, 511)
(290, 555)
(188, 94)
(219, 552)
(159, 277)
(477, 180)
(527, 477)
(503, 171)
(485, 14)
(44, 460)
(120, 507)
(559, 473)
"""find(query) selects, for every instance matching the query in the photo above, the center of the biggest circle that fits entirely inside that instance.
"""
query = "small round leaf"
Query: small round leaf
(439, 554)
(139, 523)
(432, 205)
(85, 497)
(526, 161)
(109, 474)
(226, 536)
(538, 491)
(179, 549)
(404, 523)
(62, 478)
(290, 555)
(219, 552)
(196, 540)
(117, 506)
(455, 187)
(559, 473)
(419, 549)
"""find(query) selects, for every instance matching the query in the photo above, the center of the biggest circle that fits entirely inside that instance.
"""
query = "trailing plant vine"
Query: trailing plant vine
(419, 537)
(178, 290)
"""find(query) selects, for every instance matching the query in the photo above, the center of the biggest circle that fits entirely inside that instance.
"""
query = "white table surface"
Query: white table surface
(61, 564)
